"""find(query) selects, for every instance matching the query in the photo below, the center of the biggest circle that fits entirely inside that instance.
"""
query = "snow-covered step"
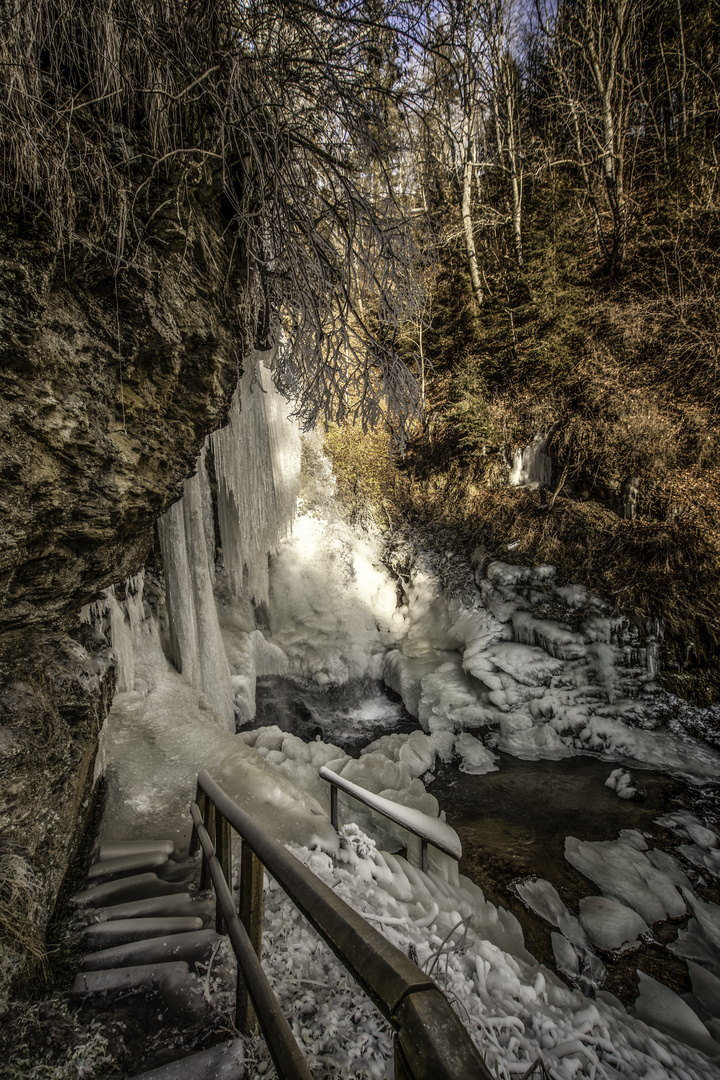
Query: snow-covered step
(117, 848)
(151, 906)
(223, 1062)
(191, 947)
(180, 989)
(136, 887)
(184, 870)
(108, 934)
(121, 980)
(122, 865)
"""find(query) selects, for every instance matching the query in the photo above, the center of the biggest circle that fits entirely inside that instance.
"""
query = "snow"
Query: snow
(624, 873)
(610, 924)
(428, 828)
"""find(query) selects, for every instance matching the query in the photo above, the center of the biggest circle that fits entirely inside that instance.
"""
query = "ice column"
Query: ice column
(532, 466)
(126, 621)
(186, 539)
(257, 462)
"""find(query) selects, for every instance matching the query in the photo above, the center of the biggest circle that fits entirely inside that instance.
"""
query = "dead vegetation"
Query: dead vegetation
(114, 117)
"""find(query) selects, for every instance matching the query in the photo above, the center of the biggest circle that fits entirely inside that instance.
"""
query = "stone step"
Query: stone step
(180, 990)
(117, 848)
(123, 865)
(151, 906)
(223, 1062)
(108, 934)
(122, 980)
(136, 887)
(191, 947)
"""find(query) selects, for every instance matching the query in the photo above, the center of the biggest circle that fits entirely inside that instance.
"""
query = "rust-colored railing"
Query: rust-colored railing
(431, 1043)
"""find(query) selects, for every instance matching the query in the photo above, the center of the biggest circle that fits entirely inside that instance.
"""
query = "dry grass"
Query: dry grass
(22, 950)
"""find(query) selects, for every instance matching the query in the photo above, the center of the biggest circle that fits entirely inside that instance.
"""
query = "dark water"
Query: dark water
(350, 716)
(513, 824)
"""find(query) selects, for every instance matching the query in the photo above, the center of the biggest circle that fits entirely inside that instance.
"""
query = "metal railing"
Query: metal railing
(431, 831)
(430, 1041)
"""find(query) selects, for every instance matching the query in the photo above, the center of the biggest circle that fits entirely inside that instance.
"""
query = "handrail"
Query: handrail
(431, 1042)
(429, 830)
(284, 1050)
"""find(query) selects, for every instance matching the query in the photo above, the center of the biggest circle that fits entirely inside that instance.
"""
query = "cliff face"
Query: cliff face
(109, 381)
(108, 385)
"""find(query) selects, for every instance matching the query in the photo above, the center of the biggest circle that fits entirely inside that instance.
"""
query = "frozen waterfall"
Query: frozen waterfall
(257, 465)
(532, 466)
(188, 547)
(257, 461)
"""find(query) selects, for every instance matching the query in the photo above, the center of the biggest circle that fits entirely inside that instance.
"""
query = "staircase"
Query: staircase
(145, 934)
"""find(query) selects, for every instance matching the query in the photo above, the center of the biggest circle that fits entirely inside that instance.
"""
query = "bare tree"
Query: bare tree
(106, 106)
(595, 52)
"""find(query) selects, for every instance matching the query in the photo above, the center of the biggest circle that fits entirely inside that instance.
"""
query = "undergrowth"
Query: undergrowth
(22, 949)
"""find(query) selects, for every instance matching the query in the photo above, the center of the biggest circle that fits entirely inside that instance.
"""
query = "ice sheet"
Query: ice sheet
(624, 873)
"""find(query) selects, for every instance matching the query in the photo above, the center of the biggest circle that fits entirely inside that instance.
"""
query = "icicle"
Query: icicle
(257, 461)
(532, 466)
(196, 641)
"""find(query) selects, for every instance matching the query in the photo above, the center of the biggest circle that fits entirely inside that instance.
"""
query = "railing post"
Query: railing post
(334, 806)
(223, 851)
(200, 801)
(251, 912)
(402, 1069)
(424, 864)
(209, 823)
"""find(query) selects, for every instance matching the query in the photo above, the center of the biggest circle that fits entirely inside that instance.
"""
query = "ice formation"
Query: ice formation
(257, 462)
(532, 466)
(188, 548)
(541, 688)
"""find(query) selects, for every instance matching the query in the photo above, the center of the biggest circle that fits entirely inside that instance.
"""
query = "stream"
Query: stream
(513, 822)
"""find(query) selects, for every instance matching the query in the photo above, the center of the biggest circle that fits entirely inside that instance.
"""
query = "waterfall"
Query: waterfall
(257, 461)
(257, 466)
(187, 545)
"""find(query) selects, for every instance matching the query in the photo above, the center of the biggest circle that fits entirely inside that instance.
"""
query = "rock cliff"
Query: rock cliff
(112, 372)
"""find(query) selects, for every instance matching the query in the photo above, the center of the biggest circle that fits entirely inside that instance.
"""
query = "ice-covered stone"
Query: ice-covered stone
(475, 757)
(608, 923)
(624, 873)
(658, 1006)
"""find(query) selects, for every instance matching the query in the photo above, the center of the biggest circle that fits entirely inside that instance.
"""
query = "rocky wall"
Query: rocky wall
(112, 372)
